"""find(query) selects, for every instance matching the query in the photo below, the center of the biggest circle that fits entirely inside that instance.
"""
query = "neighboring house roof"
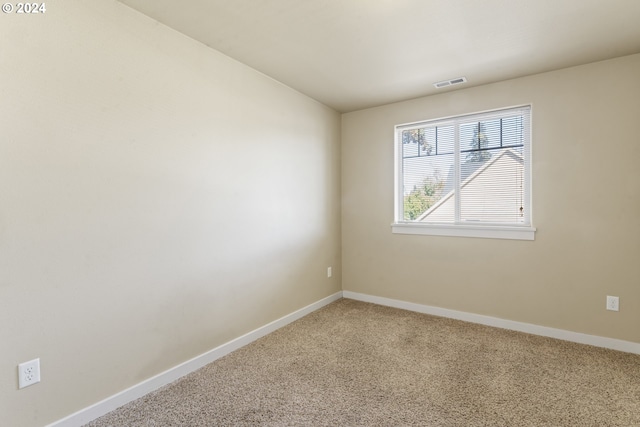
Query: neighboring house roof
(466, 170)
(488, 193)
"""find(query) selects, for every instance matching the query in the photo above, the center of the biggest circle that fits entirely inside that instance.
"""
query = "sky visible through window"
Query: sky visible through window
(431, 156)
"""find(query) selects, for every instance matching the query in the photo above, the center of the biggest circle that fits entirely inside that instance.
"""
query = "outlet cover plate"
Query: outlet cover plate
(28, 373)
(613, 303)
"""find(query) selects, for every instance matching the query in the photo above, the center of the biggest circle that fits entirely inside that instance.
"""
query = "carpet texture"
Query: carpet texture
(358, 364)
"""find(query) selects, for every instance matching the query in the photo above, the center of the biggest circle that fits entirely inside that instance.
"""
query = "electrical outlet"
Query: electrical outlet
(613, 303)
(328, 271)
(28, 373)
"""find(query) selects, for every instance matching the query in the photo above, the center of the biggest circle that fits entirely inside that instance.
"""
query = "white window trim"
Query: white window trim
(458, 230)
(497, 231)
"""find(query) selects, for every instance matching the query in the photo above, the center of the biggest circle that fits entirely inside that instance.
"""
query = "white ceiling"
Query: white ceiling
(354, 54)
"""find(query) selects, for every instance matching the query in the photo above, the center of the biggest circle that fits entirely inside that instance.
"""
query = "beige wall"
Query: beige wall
(586, 205)
(157, 199)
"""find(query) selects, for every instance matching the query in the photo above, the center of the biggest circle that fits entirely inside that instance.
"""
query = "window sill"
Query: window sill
(485, 231)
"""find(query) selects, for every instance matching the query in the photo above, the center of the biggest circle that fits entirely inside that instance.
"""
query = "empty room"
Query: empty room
(320, 212)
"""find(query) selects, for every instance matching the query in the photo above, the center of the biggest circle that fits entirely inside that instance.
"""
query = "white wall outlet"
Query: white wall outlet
(613, 303)
(28, 373)
(329, 272)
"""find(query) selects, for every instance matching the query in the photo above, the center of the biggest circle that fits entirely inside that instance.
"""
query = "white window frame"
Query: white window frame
(458, 228)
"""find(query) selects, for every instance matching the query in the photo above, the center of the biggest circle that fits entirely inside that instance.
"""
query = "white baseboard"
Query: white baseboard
(611, 343)
(107, 405)
(132, 393)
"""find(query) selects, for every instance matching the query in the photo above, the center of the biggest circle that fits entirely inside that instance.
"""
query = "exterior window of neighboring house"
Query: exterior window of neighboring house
(465, 176)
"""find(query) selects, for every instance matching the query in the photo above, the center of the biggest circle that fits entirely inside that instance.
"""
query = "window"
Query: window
(465, 176)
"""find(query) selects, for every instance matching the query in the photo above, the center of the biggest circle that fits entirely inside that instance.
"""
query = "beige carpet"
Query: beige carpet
(359, 364)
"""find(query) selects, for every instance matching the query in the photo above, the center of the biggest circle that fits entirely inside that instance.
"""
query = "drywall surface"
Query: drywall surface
(157, 199)
(586, 199)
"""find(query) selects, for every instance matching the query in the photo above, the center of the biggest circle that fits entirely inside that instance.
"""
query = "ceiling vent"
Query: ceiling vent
(445, 83)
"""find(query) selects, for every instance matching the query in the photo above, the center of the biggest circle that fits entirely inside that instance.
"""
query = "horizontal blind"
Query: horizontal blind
(491, 174)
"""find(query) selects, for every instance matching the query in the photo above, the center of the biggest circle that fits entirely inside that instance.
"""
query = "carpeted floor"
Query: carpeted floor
(357, 364)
